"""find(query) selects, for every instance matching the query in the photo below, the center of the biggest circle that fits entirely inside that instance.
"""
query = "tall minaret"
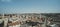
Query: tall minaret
(3, 16)
(5, 20)
(40, 18)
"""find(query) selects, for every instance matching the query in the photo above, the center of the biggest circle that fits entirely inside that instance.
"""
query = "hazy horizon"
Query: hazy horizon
(29, 6)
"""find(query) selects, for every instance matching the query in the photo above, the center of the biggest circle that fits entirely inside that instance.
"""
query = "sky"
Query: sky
(29, 6)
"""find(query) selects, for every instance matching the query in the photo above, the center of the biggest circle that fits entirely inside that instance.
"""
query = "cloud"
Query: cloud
(6, 0)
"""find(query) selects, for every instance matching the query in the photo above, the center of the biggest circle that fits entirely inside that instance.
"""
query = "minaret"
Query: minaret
(3, 16)
(5, 20)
